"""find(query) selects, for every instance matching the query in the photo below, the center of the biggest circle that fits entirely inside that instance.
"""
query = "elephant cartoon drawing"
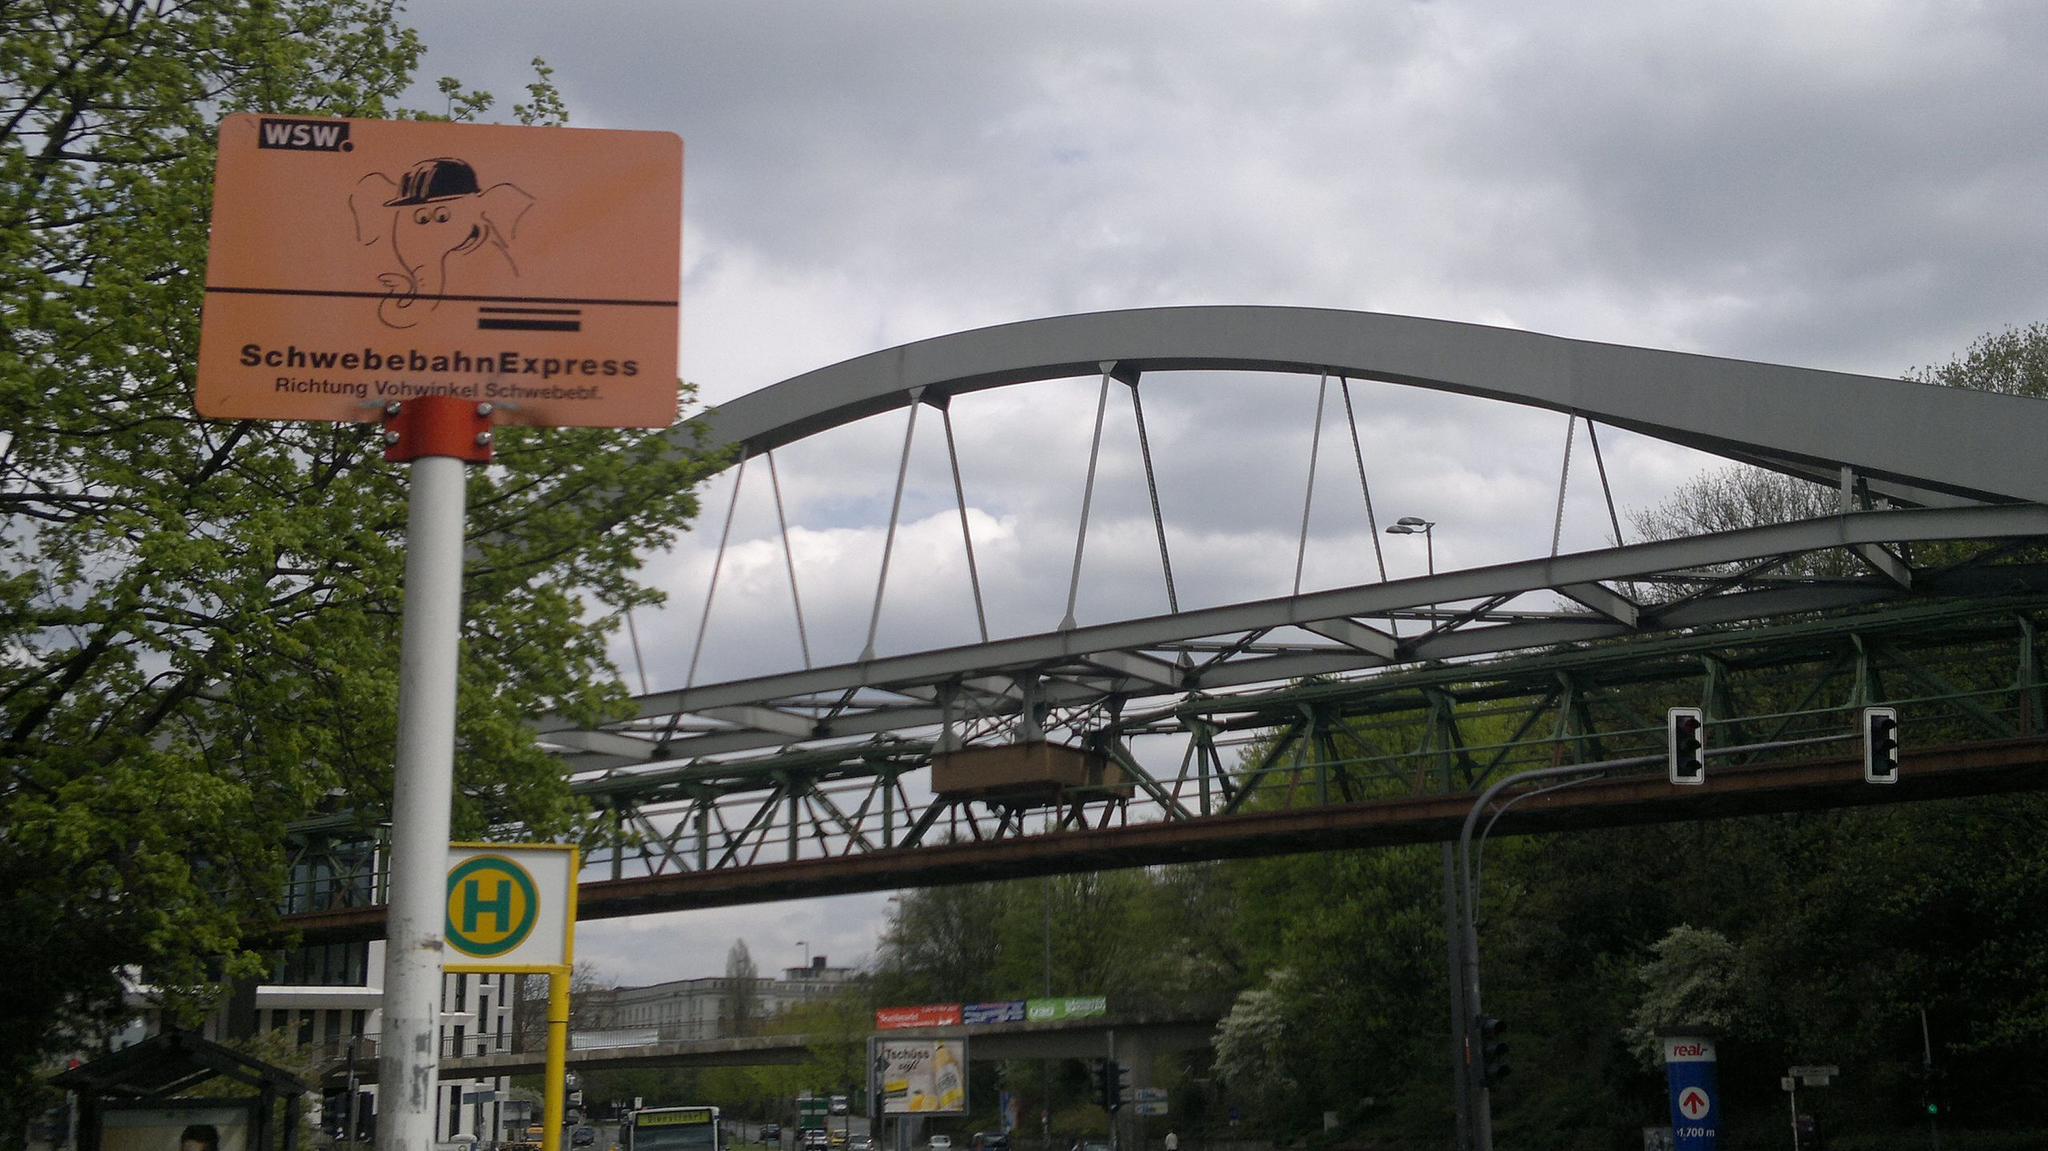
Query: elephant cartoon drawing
(438, 218)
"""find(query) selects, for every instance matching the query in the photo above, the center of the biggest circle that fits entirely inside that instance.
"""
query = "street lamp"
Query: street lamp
(1453, 925)
(1416, 525)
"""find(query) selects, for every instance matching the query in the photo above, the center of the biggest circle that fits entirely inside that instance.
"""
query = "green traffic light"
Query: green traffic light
(1934, 1108)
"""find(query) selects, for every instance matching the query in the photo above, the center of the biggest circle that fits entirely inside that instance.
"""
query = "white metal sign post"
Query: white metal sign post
(429, 432)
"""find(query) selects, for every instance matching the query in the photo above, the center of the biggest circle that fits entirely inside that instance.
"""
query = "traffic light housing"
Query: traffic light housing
(1493, 1051)
(1933, 1090)
(1685, 730)
(1108, 1084)
(1880, 745)
(1120, 1083)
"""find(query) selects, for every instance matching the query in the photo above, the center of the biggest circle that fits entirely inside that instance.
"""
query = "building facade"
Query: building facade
(715, 1008)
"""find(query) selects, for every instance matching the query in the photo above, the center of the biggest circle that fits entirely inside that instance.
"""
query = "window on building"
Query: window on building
(329, 965)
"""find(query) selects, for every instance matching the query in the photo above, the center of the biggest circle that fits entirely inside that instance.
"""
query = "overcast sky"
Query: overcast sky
(1853, 187)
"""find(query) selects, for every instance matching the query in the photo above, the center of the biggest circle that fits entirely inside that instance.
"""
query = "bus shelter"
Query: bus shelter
(154, 1096)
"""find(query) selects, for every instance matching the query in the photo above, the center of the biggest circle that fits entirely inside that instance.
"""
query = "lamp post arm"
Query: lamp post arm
(1482, 1118)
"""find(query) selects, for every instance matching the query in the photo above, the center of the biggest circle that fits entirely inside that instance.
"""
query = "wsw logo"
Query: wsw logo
(304, 135)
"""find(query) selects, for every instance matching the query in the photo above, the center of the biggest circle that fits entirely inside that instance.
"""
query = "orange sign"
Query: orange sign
(358, 262)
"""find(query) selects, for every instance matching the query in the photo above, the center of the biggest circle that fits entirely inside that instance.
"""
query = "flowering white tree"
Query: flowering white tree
(1691, 981)
(1251, 1043)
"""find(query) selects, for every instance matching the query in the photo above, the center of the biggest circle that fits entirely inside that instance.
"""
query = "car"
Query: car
(940, 1143)
(1094, 1147)
(837, 1137)
(771, 1133)
(583, 1137)
(814, 1139)
(990, 1141)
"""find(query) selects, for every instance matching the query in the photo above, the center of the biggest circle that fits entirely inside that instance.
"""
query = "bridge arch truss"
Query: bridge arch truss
(1362, 692)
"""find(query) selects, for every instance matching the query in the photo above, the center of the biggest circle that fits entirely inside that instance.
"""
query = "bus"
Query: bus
(673, 1129)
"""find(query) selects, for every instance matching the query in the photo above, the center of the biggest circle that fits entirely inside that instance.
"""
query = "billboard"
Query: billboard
(930, 1015)
(1001, 1011)
(995, 1011)
(1073, 1007)
(919, 1076)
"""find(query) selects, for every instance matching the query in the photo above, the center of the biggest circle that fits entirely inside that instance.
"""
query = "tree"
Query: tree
(593, 1006)
(1253, 1044)
(198, 617)
(2013, 361)
(940, 946)
(1691, 981)
(739, 1002)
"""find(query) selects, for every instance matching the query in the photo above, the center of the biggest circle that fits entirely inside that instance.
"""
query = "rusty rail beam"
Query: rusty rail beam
(1979, 768)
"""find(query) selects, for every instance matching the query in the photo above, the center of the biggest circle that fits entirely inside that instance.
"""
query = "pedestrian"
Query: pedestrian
(1172, 1142)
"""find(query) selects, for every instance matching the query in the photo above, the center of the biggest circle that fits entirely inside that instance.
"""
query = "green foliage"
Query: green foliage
(200, 618)
(1363, 1007)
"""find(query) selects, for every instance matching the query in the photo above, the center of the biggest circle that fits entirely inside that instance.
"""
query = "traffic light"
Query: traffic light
(1685, 730)
(1493, 1051)
(1933, 1087)
(1106, 1073)
(1880, 745)
(1120, 1076)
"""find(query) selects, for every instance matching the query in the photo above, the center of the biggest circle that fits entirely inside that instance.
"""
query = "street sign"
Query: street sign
(1816, 1071)
(1690, 1072)
(1694, 1102)
(1150, 1094)
(354, 263)
(511, 907)
(1152, 1108)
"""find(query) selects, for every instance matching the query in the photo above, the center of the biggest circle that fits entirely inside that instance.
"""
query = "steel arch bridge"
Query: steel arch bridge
(1019, 753)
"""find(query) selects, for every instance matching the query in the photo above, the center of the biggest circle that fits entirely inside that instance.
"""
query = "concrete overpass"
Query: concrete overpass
(1136, 1038)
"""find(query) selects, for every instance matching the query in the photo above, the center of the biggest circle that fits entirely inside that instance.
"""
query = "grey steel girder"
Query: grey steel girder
(1916, 443)
(1127, 659)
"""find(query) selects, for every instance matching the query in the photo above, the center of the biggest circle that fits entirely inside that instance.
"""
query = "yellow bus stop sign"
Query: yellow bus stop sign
(509, 908)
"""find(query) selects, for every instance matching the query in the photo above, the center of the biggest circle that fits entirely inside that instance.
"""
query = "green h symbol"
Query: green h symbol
(474, 905)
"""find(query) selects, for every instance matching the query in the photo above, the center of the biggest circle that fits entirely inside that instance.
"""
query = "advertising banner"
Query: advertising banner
(930, 1015)
(1006, 1011)
(1076, 1007)
(920, 1076)
(217, 1125)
